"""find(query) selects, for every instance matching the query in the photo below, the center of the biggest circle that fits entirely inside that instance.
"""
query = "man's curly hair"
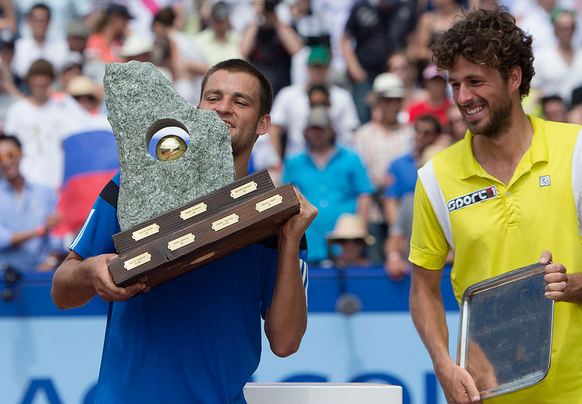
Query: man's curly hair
(488, 38)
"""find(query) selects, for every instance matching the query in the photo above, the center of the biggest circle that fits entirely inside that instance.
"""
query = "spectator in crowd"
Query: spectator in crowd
(456, 131)
(350, 237)
(219, 42)
(8, 24)
(104, 43)
(319, 96)
(9, 93)
(269, 44)
(178, 52)
(312, 27)
(534, 16)
(291, 108)
(437, 102)
(457, 124)
(77, 36)
(136, 47)
(332, 178)
(6, 57)
(40, 122)
(10, 86)
(378, 29)
(63, 12)
(378, 142)
(27, 214)
(38, 46)
(528, 172)
(396, 246)
(575, 113)
(559, 67)
(554, 109)
(402, 170)
(85, 92)
(430, 25)
(72, 67)
(399, 64)
(144, 12)
(336, 13)
(401, 182)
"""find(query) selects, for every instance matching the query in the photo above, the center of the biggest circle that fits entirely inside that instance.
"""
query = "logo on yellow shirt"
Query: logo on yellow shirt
(472, 198)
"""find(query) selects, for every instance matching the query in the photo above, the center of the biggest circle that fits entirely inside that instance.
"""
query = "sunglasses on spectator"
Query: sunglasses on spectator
(349, 240)
(9, 156)
(86, 97)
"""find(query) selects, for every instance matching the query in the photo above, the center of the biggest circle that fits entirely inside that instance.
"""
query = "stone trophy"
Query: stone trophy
(178, 207)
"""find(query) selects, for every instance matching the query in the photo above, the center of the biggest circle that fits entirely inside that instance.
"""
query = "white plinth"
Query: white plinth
(322, 393)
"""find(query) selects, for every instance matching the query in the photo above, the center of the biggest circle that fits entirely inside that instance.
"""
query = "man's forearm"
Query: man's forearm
(574, 290)
(289, 38)
(71, 288)
(428, 314)
(353, 64)
(248, 40)
(286, 318)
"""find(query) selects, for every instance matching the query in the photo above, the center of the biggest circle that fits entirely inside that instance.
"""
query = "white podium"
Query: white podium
(322, 393)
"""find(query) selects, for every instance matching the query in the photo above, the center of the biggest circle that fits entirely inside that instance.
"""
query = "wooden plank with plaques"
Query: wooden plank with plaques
(196, 210)
(201, 241)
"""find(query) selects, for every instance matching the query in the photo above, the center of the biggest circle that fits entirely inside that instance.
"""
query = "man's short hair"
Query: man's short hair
(432, 120)
(241, 66)
(40, 6)
(12, 139)
(488, 38)
(41, 67)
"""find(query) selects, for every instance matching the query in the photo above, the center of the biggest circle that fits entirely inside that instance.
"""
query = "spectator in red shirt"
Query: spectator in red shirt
(437, 102)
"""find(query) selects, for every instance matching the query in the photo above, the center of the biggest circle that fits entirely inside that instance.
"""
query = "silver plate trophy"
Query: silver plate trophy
(505, 331)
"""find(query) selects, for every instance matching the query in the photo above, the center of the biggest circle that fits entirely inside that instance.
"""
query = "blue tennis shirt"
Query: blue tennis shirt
(196, 339)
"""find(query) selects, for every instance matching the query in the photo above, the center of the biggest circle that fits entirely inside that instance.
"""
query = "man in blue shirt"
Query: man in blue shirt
(196, 339)
(402, 171)
(331, 177)
(402, 175)
(27, 213)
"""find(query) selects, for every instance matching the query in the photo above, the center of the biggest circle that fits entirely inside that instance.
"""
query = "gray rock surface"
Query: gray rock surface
(137, 95)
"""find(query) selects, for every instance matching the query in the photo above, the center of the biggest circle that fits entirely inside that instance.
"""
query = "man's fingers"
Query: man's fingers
(556, 291)
(545, 257)
(118, 294)
(471, 391)
(556, 277)
(556, 282)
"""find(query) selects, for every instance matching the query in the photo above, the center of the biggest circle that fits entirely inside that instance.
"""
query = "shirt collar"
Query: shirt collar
(537, 152)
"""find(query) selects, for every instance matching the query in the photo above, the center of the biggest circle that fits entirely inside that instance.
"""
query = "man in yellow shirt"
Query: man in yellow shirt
(506, 196)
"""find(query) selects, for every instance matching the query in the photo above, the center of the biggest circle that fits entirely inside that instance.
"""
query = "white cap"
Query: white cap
(136, 45)
(388, 85)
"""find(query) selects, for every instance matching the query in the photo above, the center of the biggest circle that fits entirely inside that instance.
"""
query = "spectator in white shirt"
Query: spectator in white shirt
(38, 46)
(40, 122)
(291, 108)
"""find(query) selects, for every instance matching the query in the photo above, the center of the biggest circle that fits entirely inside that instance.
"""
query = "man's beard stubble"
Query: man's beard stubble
(499, 121)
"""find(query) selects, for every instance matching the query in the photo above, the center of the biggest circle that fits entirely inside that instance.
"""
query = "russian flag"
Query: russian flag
(90, 162)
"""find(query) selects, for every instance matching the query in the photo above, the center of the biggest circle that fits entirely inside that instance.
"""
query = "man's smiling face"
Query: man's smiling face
(482, 96)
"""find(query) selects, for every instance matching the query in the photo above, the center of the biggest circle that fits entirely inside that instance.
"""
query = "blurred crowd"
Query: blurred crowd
(358, 106)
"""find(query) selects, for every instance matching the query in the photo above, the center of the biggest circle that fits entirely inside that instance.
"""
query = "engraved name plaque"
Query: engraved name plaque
(204, 237)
